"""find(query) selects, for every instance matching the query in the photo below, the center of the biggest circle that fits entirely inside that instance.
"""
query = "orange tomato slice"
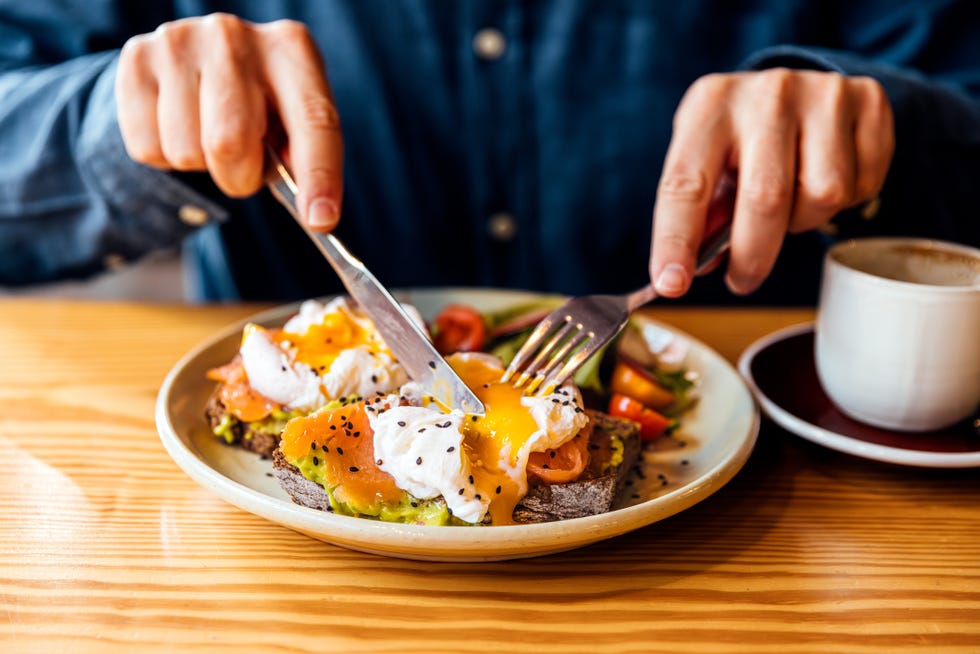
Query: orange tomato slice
(630, 380)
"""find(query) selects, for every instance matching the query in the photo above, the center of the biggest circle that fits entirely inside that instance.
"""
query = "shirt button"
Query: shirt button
(489, 44)
(114, 261)
(191, 215)
(502, 227)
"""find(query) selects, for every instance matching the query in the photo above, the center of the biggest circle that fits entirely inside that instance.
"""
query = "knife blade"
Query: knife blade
(401, 334)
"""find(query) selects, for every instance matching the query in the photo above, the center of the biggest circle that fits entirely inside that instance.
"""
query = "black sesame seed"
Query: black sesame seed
(340, 450)
(471, 479)
(418, 461)
(415, 505)
(552, 453)
(333, 427)
(374, 379)
(432, 364)
(460, 491)
(477, 496)
(629, 482)
(451, 448)
(401, 423)
(422, 429)
(268, 474)
(498, 489)
(324, 448)
(546, 467)
(684, 462)
(356, 434)
(578, 409)
(486, 386)
(449, 510)
(379, 462)
(283, 368)
(316, 461)
(330, 509)
(353, 468)
(565, 403)
(593, 446)
(474, 418)
(635, 496)
(555, 400)
(313, 445)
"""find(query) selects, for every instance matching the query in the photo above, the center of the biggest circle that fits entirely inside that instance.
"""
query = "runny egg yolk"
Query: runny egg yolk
(320, 344)
(493, 441)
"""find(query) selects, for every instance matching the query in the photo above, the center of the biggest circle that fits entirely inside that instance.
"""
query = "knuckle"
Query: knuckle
(767, 193)
(684, 185)
(829, 193)
(676, 242)
(707, 90)
(289, 31)
(227, 142)
(317, 112)
(226, 34)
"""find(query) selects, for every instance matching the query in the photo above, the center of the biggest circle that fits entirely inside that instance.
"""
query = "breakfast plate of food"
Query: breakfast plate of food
(300, 415)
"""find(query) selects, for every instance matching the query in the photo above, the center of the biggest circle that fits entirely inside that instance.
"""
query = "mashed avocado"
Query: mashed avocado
(274, 423)
(408, 510)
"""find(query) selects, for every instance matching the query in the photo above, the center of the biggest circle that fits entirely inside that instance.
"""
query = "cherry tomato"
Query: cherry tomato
(459, 328)
(652, 424)
(636, 383)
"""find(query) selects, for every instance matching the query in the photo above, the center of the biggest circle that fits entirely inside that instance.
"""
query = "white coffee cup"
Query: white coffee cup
(898, 332)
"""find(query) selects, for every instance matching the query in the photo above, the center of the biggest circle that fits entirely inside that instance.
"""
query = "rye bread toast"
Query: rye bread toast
(250, 436)
(614, 446)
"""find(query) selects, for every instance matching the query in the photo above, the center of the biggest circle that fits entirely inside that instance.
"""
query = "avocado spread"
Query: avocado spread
(274, 423)
(408, 509)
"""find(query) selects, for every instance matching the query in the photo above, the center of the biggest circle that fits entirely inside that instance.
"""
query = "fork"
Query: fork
(569, 336)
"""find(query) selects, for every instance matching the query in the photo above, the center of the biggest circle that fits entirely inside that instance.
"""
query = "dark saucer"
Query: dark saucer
(781, 371)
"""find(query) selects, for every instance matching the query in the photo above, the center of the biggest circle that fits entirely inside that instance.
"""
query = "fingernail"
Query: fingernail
(672, 279)
(323, 213)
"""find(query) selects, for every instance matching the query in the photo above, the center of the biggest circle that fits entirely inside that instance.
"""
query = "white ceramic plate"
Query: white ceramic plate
(781, 371)
(677, 472)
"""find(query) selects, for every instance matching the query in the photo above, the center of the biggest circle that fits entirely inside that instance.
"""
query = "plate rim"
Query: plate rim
(344, 530)
(830, 439)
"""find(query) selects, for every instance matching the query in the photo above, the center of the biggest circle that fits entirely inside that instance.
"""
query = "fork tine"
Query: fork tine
(544, 351)
(530, 346)
(573, 342)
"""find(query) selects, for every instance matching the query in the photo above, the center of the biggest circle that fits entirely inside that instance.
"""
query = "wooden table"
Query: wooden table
(106, 546)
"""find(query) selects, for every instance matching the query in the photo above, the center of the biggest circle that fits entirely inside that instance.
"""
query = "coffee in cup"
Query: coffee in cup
(898, 332)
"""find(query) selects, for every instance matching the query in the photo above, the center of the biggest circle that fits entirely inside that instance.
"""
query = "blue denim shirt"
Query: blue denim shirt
(536, 168)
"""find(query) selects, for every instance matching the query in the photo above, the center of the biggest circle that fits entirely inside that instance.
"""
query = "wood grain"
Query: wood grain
(106, 546)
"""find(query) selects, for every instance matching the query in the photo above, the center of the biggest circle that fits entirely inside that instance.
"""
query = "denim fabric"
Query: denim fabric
(564, 133)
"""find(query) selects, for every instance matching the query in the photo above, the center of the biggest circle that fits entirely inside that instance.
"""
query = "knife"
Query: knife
(401, 334)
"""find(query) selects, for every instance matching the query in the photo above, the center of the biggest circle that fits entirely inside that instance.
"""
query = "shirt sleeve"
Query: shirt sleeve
(71, 199)
(931, 188)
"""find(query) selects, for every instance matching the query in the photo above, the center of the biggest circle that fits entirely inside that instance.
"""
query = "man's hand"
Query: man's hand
(804, 145)
(202, 94)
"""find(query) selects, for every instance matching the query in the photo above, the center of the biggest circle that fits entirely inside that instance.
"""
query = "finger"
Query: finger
(233, 121)
(178, 117)
(874, 138)
(136, 104)
(312, 124)
(827, 156)
(694, 162)
(766, 136)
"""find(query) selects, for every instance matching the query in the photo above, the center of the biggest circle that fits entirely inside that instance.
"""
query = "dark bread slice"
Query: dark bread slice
(243, 433)
(597, 490)
(593, 493)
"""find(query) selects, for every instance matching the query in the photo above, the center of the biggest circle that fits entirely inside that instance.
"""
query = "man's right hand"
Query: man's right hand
(202, 93)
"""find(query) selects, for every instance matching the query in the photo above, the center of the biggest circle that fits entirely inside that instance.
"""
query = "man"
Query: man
(484, 143)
